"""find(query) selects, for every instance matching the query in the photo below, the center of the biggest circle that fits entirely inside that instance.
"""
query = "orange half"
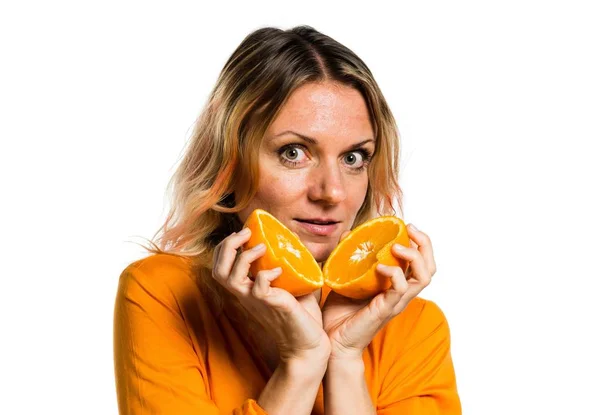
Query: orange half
(350, 270)
(300, 272)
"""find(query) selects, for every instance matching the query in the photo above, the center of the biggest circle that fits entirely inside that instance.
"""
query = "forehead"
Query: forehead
(325, 111)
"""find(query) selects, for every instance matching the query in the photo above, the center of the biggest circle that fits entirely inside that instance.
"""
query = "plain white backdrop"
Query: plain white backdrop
(498, 106)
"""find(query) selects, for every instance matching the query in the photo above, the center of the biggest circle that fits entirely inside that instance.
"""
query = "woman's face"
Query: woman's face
(312, 164)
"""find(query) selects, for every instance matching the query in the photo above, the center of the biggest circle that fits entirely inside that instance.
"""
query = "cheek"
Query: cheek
(357, 191)
(276, 189)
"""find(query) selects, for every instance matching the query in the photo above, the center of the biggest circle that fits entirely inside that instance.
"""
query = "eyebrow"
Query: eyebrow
(313, 141)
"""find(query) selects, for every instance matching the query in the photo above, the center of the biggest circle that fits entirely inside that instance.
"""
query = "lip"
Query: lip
(319, 219)
(321, 230)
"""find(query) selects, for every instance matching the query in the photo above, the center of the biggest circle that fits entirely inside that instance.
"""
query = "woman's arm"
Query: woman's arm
(158, 371)
(345, 389)
(417, 374)
(419, 366)
(293, 388)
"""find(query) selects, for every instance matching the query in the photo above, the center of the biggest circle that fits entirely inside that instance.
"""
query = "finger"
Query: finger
(399, 284)
(311, 305)
(367, 321)
(228, 252)
(238, 280)
(391, 302)
(424, 246)
(261, 288)
(216, 271)
(344, 235)
(215, 256)
(419, 271)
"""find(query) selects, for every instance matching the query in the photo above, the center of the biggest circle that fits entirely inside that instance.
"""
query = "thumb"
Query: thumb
(344, 234)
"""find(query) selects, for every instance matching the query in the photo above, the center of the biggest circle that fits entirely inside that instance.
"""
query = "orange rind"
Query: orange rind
(350, 269)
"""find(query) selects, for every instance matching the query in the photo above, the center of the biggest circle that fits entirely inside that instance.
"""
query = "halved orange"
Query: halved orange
(350, 269)
(300, 272)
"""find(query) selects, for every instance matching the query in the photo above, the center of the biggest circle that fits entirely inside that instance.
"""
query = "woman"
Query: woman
(296, 125)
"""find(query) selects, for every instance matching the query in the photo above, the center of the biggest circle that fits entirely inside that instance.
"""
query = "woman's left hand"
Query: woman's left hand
(352, 324)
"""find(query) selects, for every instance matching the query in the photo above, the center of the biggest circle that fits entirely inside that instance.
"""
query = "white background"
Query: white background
(498, 105)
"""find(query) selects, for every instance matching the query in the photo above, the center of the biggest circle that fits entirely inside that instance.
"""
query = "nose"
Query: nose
(326, 184)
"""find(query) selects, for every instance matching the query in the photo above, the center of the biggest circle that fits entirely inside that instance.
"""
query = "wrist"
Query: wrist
(345, 388)
(298, 360)
(307, 367)
(339, 354)
(292, 387)
(345, 365)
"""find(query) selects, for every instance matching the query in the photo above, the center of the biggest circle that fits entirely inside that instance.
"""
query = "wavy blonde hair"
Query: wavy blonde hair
(218, 174)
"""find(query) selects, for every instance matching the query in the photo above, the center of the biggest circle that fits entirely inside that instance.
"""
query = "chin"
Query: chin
(319, 251)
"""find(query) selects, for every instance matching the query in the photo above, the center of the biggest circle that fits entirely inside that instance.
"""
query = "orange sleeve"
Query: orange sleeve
(421, 379)
(157, 370)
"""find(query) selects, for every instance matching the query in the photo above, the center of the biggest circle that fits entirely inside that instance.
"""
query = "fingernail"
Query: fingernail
(413, 227)
(244, 231)
(259, 247)
(277, 270)
(398, 247)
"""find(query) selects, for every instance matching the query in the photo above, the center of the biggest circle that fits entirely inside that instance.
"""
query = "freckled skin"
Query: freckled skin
(324, 182)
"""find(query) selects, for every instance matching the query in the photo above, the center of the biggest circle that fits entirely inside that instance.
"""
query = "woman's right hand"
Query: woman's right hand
(295, 324)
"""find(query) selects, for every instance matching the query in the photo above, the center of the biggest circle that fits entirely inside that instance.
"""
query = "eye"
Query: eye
(292, 154)
(351, 158)
(355, 158)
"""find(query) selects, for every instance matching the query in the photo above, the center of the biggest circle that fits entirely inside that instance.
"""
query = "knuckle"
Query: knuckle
(257, 292)
(380, 308)
(219, 273)
(400, 285)
(229, 283)
(399, 274)
(228, 243)
(261, 275)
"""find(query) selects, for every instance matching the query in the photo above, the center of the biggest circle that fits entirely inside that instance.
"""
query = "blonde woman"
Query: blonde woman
(295, 125)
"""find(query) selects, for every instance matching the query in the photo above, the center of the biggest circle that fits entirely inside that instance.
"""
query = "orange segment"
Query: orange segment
(350, 269)
(300, 272)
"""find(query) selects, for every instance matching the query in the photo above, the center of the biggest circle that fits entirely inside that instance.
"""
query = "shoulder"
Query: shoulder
(158, 275)
(413, 361)
(161, 265)
(413, 336)
(421, 320)
(422, 316)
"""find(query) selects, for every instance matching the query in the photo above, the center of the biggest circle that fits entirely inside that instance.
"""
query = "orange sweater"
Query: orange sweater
(173, 356)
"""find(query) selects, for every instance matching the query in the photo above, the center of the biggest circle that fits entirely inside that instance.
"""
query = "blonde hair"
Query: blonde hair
(218, 174)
